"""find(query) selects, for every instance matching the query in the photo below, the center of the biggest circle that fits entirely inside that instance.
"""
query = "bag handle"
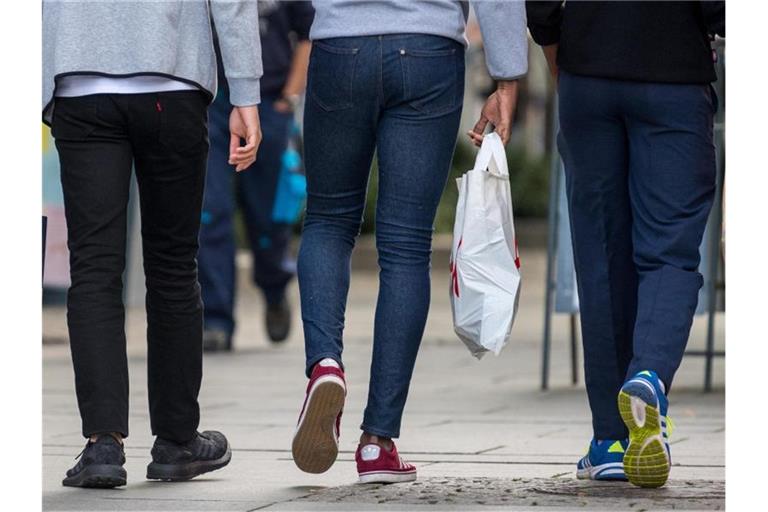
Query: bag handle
(492, 156)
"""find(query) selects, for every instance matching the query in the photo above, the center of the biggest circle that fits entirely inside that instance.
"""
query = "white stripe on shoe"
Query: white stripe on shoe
(387, 477)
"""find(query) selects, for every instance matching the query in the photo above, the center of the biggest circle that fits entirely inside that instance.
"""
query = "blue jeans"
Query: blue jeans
(401, 96)
(640, 177)
(254, 189)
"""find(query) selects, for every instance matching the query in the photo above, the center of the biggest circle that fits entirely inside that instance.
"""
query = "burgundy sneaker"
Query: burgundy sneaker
(316, 441)
(376, 465)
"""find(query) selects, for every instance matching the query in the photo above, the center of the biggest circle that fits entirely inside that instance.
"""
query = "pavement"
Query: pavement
(481, 433)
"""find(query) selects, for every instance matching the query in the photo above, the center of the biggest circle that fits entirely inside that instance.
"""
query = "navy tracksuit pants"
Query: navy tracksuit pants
(640, 178)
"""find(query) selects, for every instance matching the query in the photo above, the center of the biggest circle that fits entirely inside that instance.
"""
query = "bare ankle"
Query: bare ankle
(118, 436)
(366, 438)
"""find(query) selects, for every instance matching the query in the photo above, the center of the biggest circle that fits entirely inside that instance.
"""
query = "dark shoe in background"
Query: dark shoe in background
(100, 465)
(215, 340)
(172, 462)
(278, 321)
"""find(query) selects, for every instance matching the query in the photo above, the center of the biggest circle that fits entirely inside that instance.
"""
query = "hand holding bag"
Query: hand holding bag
(485, 267)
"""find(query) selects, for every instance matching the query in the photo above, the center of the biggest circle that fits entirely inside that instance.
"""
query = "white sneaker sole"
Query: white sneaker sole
(387, 477)
(608, 471)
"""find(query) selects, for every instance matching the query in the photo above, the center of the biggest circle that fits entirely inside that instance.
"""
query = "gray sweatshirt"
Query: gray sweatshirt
(170, 38)
(502, 23)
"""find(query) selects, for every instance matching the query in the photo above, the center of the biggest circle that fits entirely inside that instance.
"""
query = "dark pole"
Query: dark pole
(714, 267)
(574, 350)
(716, 218)
(45, 232)
(554, 192)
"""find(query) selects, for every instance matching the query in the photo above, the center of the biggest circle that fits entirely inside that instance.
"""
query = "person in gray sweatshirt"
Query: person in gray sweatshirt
(385, 77)
(127, 85)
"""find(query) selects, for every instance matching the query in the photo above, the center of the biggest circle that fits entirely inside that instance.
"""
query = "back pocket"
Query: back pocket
(74, 118)
(433, 79)
(331, 75)
(183, 120)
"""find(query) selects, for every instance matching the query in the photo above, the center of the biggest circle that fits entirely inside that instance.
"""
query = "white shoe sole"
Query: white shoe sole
(608, 471)
(387, 477)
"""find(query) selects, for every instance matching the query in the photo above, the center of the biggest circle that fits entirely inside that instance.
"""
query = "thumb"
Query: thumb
(480, 124)
(234, 142)
(503, 130)
(252, 139)
(253, 133)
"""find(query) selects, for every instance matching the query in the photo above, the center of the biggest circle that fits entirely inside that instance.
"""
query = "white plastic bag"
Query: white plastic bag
(485, 275)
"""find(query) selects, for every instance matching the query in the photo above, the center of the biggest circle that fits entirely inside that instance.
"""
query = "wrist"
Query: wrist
(292, 99)
(506, 86)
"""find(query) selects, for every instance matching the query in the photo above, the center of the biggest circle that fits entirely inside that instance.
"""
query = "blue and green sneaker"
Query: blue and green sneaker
(603, 461)
(643, 407)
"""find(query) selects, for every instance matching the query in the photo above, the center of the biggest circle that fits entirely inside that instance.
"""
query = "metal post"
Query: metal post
(554, 189)
(574, 350)
(713, 270)
(45, 233)
(716, 218)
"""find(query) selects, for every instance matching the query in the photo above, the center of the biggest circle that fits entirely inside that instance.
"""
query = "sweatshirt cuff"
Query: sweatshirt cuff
(507, 64)
(545, 36)
(507, 77)
(244, 92)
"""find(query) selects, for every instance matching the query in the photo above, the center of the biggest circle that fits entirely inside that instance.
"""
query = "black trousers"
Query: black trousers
(164, 137)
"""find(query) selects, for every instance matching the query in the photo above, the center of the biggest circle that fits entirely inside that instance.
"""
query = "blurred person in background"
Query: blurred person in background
(284, 30)
(636, 137)
(384, 77)
(127, 84)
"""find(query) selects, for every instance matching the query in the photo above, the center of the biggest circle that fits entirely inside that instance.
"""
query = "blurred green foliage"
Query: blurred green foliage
(529, 181)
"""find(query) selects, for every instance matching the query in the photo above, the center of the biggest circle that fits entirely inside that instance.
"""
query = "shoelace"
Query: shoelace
(87, 444)
(82, 451)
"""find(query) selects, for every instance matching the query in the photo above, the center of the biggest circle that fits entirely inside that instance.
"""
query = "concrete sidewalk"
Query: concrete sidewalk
(480, 432)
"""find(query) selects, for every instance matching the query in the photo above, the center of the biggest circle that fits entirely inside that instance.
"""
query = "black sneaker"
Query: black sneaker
(278, 320)
(100, 465)
(172, 462)
(216, 339)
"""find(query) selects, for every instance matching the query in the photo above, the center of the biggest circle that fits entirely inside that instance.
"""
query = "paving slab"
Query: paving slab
(481, 426)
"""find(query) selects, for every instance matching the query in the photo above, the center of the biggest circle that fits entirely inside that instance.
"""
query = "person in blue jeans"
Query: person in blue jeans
(384, 78)
(636, 137)
(284, 38)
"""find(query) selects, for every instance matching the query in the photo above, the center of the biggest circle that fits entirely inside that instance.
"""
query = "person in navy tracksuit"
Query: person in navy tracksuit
(284, 29)
(636, 136)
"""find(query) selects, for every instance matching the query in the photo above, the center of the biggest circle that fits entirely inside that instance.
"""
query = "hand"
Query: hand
(550, 53)
(499, 109)
(283, 106)
(244, 124)
(287, 103)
